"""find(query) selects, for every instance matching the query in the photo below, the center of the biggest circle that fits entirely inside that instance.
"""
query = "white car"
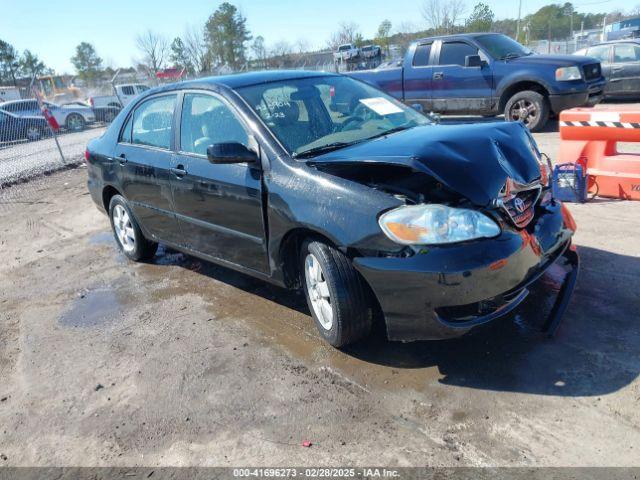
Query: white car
(70, 117)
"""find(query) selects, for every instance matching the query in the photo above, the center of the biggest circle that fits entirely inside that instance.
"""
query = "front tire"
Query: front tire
(127, 232)
(75, 122)
(528, 107)
(338, 300)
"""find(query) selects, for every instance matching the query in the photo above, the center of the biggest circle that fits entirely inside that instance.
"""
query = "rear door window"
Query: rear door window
(152, 121)
(455, 53)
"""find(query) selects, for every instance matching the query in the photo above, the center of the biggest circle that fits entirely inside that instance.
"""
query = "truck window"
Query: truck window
(128, 90)
(454, 53)
(421, 57)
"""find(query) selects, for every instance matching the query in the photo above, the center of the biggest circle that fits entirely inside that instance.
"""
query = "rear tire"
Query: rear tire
(336, 295)
(127, 232)
(528, 107)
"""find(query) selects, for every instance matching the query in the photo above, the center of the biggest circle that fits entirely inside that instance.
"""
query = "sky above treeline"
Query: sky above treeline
(53, 29)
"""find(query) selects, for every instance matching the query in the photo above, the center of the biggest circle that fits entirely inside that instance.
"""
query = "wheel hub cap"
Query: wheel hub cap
(124, 229)
(318, 291)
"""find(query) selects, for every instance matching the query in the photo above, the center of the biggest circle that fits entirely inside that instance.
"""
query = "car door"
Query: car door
(460, 89)
(625, 69)
(218, 206)
(418, 77)
(143, 154)
(603, 54)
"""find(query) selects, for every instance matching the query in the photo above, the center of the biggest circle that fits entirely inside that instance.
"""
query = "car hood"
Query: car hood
(557, 60)
(474, 160)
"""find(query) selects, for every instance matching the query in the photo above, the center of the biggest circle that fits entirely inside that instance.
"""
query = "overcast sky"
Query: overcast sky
(53, 29)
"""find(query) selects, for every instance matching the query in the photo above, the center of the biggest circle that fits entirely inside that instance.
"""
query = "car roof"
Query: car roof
(460, 36)
(613, 42)
(240, 80)
(22, 100)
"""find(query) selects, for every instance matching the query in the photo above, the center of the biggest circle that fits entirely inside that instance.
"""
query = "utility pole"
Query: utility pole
(518, 24)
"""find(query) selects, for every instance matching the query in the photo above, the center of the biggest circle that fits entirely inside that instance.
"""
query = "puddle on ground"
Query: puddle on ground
(93, 308)
(102, 238)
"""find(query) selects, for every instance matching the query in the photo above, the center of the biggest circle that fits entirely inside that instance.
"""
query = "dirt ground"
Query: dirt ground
(179, 362)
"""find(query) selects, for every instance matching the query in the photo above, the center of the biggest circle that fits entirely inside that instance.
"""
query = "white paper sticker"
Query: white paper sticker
(381, 106)
(605, 116)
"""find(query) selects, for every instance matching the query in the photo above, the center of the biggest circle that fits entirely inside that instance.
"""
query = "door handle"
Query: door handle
(616, 69)
(178, 171)
(122, 159)
(438, 75)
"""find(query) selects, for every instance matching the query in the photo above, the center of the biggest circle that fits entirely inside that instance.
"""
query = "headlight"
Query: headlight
(544, 162)
(568, 73)
(436, 224)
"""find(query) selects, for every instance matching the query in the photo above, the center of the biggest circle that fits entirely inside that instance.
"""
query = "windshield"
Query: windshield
(312, 114)
(501, 46)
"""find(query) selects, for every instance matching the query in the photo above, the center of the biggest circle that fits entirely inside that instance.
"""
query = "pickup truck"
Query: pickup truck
(489, 74)
(346, 52)
(124, 95)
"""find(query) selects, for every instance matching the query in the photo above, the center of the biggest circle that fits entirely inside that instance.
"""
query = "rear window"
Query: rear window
(128, 90)
(454, 53)
(421, 57)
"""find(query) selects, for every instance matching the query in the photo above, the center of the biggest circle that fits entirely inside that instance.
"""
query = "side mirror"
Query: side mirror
(418, 107)
(230, 152)
(473, 61)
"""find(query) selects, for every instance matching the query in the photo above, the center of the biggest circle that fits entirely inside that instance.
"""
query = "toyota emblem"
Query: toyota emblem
(518, 203)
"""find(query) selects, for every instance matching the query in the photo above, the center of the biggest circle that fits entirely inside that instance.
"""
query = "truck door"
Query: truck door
(460, 89)
(417, 77)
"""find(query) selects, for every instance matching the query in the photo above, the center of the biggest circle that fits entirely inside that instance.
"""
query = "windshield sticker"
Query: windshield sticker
(380, 105)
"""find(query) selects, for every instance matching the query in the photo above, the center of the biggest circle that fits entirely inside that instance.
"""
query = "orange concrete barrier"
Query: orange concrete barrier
(589, 137)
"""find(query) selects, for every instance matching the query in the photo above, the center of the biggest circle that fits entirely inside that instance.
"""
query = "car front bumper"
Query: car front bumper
(443, 292)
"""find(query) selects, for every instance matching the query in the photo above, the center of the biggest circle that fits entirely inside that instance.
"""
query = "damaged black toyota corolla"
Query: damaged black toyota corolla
(321, 182)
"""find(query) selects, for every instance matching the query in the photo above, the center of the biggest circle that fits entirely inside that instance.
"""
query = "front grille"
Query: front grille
(520, 207)
(591, 71)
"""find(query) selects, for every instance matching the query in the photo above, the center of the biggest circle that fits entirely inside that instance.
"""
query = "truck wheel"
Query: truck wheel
(127, 233)
(528, 107)
(336, 295)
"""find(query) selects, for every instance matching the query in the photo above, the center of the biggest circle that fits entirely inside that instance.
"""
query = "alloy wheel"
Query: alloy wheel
(33, 133)
(524, 111)
(124, 229)
(318, 291)
(75, 122)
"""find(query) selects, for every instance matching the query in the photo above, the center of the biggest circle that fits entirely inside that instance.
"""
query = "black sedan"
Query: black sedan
(13, 127)
(620, 62)
(322, 182)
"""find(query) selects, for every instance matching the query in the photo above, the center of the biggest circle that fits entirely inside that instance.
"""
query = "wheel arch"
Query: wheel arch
(288, 252)
(521, 86)
(108, 193)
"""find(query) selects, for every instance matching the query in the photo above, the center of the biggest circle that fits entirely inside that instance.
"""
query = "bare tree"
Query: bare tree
(346, 33)
(155, 50)
(196, 49)
(280, 54)
(442, 15)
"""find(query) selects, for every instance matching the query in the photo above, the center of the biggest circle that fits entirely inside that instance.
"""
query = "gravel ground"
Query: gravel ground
(179, 362)
(24, 160)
